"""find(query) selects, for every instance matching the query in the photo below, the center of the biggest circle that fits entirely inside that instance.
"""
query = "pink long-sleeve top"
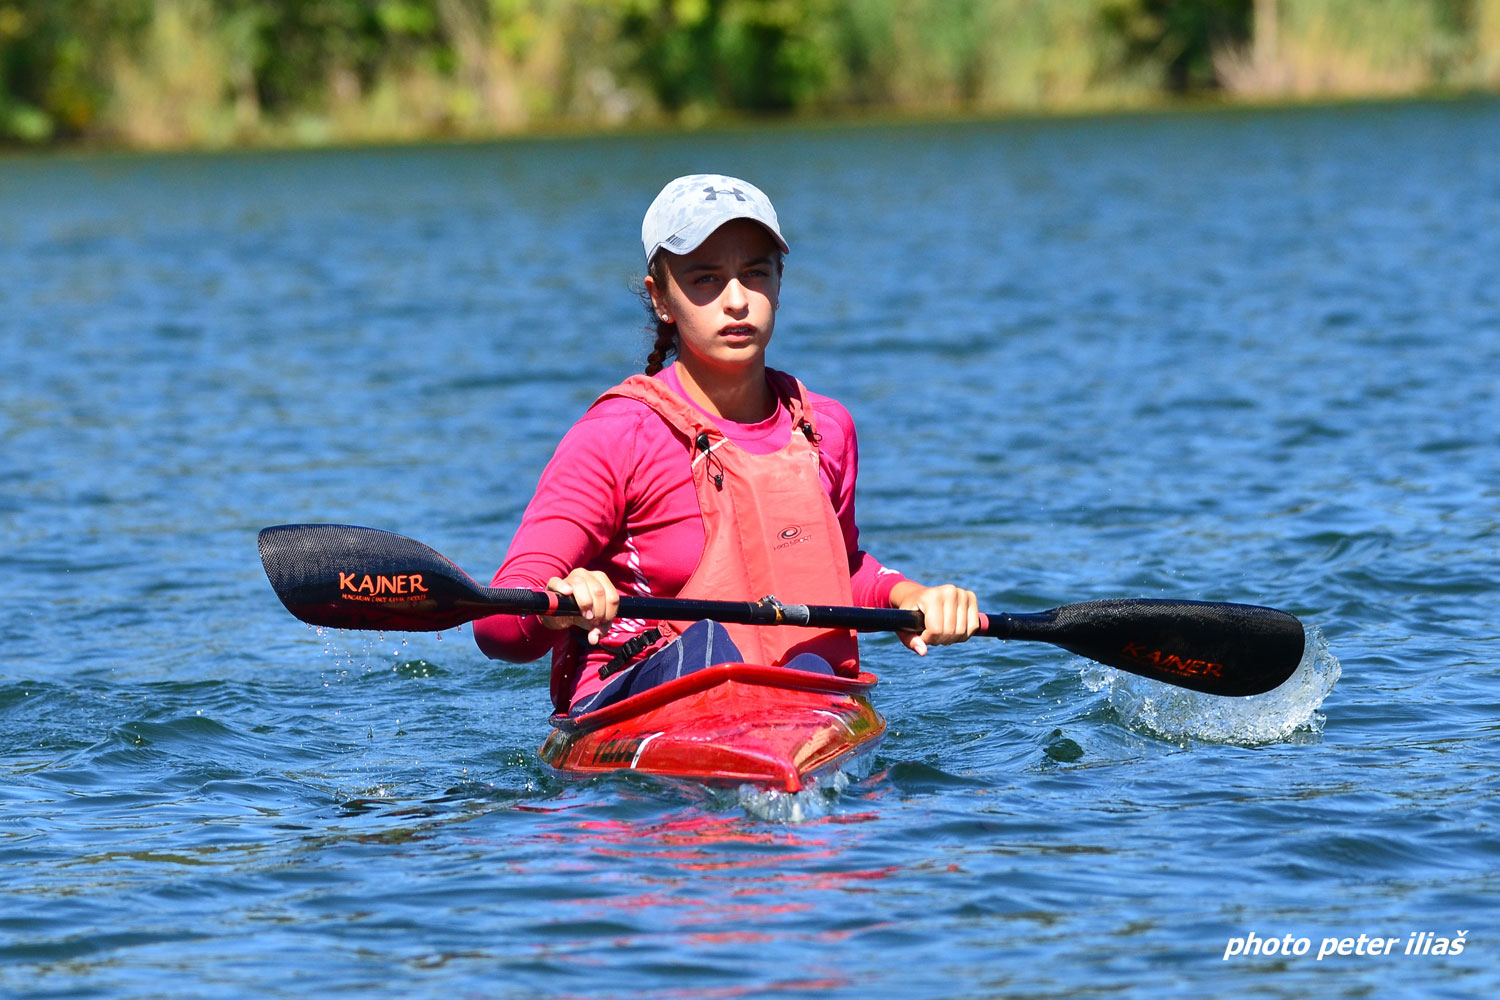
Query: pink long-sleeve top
(618, 496)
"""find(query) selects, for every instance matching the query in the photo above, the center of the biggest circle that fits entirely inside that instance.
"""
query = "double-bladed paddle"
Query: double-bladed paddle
(345, 576)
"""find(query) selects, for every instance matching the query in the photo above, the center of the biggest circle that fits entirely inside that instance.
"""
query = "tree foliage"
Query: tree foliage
(1181, 38)
(163, 72)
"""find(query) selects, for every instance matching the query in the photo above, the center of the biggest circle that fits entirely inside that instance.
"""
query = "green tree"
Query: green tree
(1181, 36)
(52, 76)
(757, 55)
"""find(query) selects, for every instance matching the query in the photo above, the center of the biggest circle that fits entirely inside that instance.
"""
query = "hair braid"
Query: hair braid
(665, 344)
(664, 347)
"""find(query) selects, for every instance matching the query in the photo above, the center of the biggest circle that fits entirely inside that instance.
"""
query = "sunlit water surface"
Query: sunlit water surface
(1242, 357)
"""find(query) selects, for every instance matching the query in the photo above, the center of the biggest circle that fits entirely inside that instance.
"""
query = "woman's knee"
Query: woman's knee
(810, 662)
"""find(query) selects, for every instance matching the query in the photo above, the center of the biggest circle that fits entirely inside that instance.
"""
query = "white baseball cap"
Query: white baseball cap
(689, 209)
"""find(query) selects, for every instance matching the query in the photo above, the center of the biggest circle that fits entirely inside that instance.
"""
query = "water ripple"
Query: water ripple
(1245, 357)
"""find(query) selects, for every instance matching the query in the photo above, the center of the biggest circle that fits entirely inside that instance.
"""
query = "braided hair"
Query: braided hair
(665, 344)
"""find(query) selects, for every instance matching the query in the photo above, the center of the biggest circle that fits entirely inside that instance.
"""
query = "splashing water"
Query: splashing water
(1177, 714)
(813, 802)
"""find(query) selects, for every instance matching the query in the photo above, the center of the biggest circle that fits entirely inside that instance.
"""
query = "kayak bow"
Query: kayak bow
(730, 724)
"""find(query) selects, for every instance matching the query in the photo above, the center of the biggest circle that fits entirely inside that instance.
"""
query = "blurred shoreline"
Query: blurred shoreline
(227, 74)
(741, 124)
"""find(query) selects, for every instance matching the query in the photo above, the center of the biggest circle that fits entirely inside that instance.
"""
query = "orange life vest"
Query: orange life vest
(769, 529)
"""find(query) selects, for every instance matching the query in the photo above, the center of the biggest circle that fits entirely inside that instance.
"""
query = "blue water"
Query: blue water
(1245, 356)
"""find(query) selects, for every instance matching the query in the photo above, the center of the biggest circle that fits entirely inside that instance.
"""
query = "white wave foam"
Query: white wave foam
(813, 802)
(1177, 714)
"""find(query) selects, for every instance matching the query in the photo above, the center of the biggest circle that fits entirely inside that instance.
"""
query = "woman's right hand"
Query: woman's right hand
(598, 602)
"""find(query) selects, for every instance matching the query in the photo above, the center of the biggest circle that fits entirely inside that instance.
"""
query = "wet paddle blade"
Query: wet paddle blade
(344, 576)
(1223, 649)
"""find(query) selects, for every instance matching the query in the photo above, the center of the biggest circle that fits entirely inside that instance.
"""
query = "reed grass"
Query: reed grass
(164, 73)
(1340, 48)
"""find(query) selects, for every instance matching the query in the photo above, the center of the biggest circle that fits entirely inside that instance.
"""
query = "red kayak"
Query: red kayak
(729, 724)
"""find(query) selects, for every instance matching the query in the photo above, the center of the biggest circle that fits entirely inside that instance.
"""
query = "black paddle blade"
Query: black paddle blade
(345, 576)
(1223, 649)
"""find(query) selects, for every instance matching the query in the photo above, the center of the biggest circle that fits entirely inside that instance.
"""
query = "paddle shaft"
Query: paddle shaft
(346, 576)
(540, 602)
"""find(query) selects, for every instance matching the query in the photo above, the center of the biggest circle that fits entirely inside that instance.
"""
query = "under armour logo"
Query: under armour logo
(712, 193)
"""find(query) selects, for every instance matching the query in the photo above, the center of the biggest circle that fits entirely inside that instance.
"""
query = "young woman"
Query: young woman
(714, 478)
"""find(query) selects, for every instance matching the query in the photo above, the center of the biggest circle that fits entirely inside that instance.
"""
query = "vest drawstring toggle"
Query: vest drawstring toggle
(713, 460)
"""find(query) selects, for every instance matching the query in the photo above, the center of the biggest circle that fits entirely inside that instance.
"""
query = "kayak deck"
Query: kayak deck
(729, 724)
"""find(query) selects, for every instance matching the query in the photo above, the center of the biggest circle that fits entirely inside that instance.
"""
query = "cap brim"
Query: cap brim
(692, 239)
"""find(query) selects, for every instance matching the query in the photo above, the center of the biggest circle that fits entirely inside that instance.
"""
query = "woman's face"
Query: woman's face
(722, 296)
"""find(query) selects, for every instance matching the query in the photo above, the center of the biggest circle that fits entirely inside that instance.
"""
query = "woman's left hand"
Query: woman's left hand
(949, 614)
